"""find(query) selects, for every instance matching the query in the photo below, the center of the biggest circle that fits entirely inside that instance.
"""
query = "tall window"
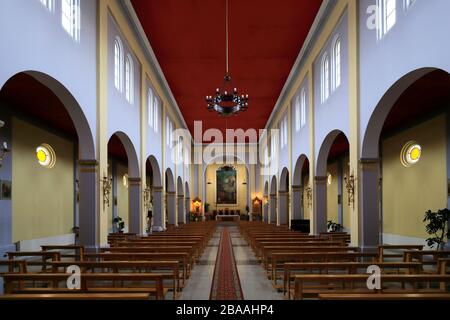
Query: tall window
(325, 85)
(150, 108)
(283, 132)
(409, 3)
(129, 79)
(386, 16)
(303, 108)
(71, 18)
(337, 64)
(49, 4)
(297, 113)
(180, 149)
(169, 132)
(155, 113)
(118, 63)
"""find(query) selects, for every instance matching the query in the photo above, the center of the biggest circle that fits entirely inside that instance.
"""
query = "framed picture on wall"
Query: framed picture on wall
(5, 190)
(226, 187)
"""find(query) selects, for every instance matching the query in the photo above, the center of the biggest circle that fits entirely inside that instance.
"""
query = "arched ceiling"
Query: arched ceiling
(188, 38)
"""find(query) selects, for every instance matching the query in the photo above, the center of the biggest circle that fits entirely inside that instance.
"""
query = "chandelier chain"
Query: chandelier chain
(226, 33)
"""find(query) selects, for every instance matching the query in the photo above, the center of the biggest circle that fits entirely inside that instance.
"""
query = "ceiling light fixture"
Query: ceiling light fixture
(226, 101)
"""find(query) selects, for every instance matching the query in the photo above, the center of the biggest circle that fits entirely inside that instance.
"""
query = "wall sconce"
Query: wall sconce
(350, 186)
(309, 196)
(4, 150)
(265, 200)
(147, 197)
(107, 187)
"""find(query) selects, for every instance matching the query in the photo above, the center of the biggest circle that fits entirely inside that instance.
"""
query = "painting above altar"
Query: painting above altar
(226, 186)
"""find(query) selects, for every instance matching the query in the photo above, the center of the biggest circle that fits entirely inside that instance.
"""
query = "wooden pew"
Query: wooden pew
(385, 296)
(182, 259)
(422, 255)
(278, 259)
(20, 265)
(43, 261)
(138, 283)
(76, 296)
(293, 268)
(305, 288)
(77, 255)
(161, 267)
(388, 251)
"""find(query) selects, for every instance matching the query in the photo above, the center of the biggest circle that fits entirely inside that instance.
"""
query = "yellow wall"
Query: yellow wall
(409, 192)
(122, 194)
(332, 193)
(42, 199)
(241, 189)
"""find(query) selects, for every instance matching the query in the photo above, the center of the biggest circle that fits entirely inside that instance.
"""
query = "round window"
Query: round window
(411, 154)
(46, 156)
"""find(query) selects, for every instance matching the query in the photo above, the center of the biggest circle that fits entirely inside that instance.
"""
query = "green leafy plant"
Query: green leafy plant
(437, 227)
(120, 224)
(334, 227)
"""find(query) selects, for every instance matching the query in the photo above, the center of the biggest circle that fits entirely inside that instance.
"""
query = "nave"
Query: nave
(227, 261)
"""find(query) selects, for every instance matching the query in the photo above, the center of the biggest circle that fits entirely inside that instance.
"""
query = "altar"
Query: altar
(234, 217)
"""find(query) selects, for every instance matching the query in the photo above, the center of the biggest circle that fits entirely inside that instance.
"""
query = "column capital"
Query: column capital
(296, 187)
(134, 181)
(171, 193)
(158, 189)
(88, 162)
(283, 193)
(369, 160)
(320, 178)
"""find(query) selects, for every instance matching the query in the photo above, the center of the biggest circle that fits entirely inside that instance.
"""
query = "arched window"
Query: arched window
(325, 85)
(387, 16)
(71, 18)
(150, 108)
(118, 64)
(303, 108)
(129, 79)
(297, 113)
(49, 4)
(155, 113)
(337, 64)
(180, 149)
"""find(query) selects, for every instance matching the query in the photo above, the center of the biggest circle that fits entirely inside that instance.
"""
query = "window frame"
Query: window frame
(325, 77)
(129, 79)
(118, 63)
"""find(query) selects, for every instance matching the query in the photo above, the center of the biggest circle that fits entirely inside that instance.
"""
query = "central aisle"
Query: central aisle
(254, 283)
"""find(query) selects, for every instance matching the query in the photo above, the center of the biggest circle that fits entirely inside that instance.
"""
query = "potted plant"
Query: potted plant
(119, 223)
(437, 227)
(334, 227)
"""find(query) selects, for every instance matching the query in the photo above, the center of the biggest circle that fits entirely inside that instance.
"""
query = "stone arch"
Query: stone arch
(86, 211)
(283, 198)
(299, 186)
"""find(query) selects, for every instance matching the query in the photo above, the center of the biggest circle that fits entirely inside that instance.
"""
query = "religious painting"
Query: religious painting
(5, 190)
(226, 185)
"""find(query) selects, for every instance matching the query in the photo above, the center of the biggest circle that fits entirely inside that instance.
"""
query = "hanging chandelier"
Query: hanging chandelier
(226, 101)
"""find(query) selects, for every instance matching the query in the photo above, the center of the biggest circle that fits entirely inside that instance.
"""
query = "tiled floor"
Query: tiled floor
(254, 282)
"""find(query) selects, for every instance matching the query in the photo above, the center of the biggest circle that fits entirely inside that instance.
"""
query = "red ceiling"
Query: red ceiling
(188, 37)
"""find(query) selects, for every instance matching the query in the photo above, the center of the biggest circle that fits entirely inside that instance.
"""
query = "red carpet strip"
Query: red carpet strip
(226, 284)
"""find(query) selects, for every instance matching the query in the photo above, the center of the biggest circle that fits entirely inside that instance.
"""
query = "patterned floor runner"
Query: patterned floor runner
(226, 284)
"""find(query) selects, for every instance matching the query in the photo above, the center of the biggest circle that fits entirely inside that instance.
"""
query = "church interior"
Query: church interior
(224, 150)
